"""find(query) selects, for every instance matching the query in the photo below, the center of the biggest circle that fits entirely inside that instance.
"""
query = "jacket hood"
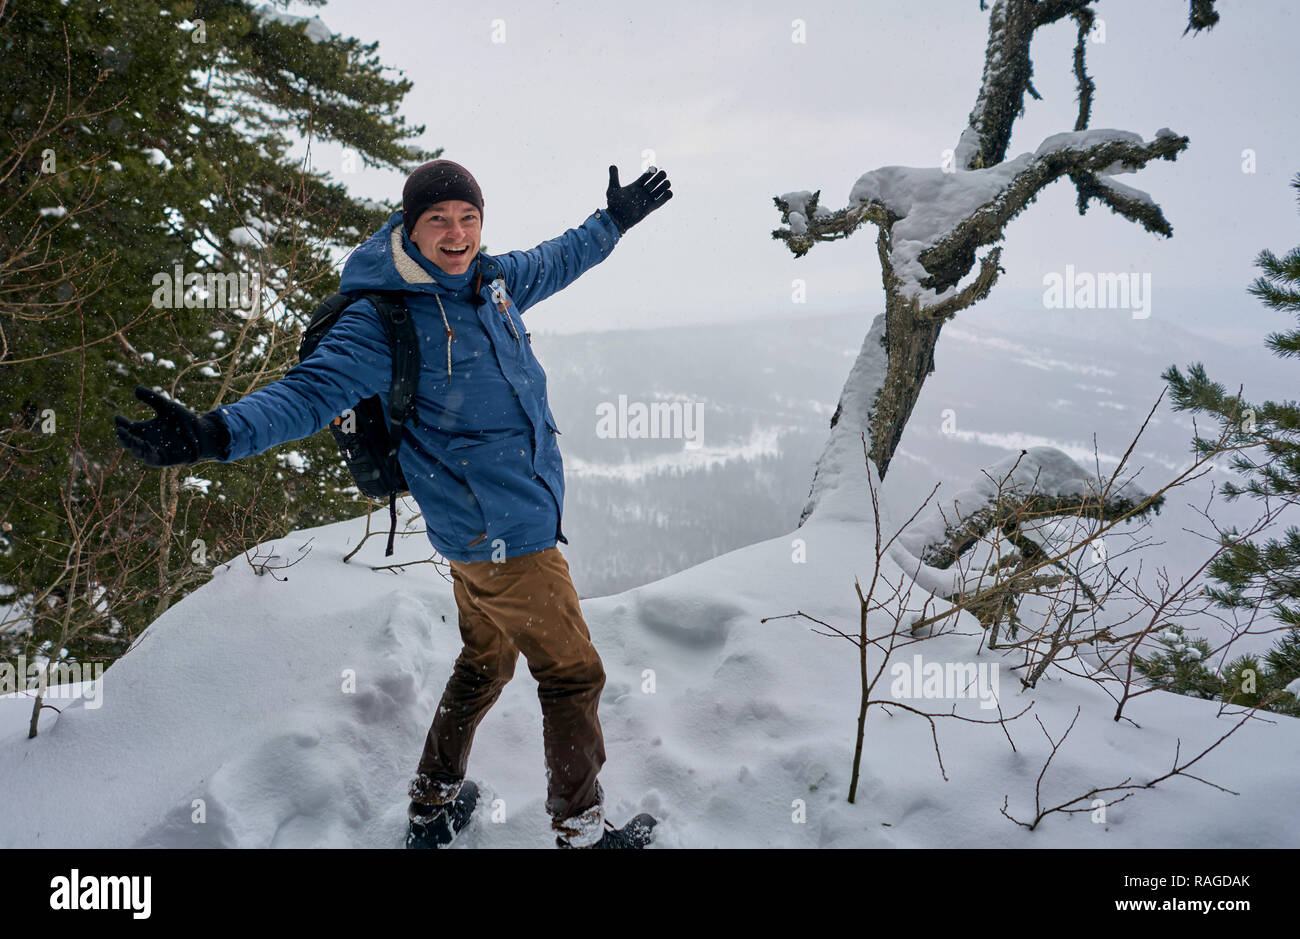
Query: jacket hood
(387, 260)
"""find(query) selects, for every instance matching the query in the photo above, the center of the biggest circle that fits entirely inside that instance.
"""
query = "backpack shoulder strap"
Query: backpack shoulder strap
(322, 320)
(405, 346)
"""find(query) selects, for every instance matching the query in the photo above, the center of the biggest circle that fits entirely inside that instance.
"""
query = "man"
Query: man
(482, 462)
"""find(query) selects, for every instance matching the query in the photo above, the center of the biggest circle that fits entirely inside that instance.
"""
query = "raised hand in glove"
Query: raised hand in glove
(176, 435)
(633, 202)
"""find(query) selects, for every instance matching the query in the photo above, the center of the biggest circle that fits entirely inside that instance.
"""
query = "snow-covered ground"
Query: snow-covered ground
(236, 706)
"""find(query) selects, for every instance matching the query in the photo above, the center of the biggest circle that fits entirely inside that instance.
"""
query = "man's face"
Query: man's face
(445, 227)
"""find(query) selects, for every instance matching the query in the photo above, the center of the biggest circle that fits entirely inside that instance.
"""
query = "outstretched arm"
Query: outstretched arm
(352, 362)
(532, 276)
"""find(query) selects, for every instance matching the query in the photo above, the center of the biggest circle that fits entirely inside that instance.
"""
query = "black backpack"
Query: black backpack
(370, 450)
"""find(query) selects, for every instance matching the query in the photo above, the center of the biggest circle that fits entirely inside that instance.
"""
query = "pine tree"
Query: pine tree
(139, 140)
(1282, 668)
(1178, 665)
(1266, 441)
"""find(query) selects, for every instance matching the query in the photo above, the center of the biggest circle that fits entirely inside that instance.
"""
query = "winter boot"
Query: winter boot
(635, 834)
(434, 826)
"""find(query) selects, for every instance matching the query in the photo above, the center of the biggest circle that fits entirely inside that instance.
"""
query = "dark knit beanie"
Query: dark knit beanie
(434, 182)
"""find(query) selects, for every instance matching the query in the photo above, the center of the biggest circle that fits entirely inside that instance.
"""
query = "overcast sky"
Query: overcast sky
(737, 113)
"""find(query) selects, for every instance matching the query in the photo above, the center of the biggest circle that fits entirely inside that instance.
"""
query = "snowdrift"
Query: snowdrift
(289, 709)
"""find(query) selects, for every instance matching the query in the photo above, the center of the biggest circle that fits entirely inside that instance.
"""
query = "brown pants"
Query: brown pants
(524, 604)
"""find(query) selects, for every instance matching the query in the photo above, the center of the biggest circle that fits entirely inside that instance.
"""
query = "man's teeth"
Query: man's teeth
(456, 250)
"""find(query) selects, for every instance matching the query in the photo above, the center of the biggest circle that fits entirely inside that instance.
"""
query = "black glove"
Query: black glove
(176, 435)
(629, 204)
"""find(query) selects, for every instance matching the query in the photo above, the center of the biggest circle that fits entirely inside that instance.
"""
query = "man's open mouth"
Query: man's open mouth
(456, 252)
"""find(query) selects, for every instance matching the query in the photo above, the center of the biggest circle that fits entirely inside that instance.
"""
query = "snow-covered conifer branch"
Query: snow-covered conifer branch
(1097, 152)
(1036, 484)
(938, 220)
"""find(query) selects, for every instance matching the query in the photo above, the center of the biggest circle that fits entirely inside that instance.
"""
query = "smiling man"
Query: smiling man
(483, 465)
(448, 234)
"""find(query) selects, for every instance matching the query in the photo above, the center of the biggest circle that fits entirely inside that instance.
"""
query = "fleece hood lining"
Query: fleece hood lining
(411, 272)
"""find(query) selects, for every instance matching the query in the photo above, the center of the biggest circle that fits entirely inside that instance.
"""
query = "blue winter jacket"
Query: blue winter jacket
(481, 458)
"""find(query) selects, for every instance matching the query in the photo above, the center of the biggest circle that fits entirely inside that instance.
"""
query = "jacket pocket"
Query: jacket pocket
(454, 515)
(516, 505)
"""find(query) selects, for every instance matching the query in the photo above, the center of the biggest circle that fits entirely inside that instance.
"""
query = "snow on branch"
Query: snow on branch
(937, 220)
(1036, 484)
(315, 30)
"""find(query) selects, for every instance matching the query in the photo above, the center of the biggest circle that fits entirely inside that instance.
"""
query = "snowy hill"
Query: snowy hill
(234, 702)
(236, 697)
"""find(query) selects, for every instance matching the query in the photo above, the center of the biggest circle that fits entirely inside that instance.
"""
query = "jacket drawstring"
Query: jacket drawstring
(451, 334)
